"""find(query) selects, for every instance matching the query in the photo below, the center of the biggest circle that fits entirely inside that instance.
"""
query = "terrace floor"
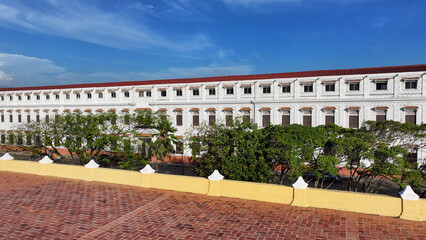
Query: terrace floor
(37, 207)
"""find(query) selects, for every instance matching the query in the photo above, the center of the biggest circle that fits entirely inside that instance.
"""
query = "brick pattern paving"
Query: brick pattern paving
(35, 207)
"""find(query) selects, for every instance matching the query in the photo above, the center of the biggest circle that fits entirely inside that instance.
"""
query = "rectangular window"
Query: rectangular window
(38, 97)
(113, 94)
(100, 95)
(410, 116)
(353, 119)
(67, 96)
(246, 116)
(412, 84)
(196, 92)
(46, 118)
(20, 140)
(10, 118)
(179, 92)
(89, 95)
(11, 139)
(229, 120)
(329, 117)
(163, 93)
(247, 90)
(412, 156)
(47, 97)
(28, 118)
(354, 86)
(307, 118)
(179, 119)
(113, 120)
(140, 93)
(77, 96)
(148, 93)
(126, 119)
(179, 147)
(230, 91)
(29, 142)
(266, 89)
(380, 115)
(308, 88)
(286, 88)
(37, 118)
(19, 98)
(212, 91)
(2, 118)
(266, 119)
(285, 119)
(196, 119)
(19, 118)
(28, 97)
(330, 87)
(144, 149)
(126, 94)
(57, 96)
(212, 119)
(381, 86)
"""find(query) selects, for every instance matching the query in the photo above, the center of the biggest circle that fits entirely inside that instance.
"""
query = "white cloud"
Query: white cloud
(19, 70)
(84, 21)
(4, 78)
(170, 73)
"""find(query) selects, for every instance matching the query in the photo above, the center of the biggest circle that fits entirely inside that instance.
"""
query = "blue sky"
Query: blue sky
(49, 42)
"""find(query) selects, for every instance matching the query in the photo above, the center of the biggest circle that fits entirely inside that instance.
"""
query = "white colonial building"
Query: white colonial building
(345, 97)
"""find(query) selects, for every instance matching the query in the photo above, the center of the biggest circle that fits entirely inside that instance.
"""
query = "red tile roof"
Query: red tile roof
(336, 72)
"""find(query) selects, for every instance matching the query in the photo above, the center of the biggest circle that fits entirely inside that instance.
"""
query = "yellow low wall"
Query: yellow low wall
(256, 191)
(354, 202)
(179, 183)
(318, 198)
(422, 209)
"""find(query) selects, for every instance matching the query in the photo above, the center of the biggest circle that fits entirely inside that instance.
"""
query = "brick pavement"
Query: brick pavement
(36, 207)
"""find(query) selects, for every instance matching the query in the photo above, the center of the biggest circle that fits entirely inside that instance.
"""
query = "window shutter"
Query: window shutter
(307, 121)
(266, 120)
(412, 157)
(329, 119)
(380, 118)
(179, 120)
(246, 118)
(410, 119)
(353, 121)
(212, 120)
(285, 120)
(195, 120)
(229, 120)
(179, 148)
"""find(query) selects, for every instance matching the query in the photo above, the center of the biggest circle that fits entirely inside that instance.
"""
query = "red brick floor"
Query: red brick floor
(35, 207)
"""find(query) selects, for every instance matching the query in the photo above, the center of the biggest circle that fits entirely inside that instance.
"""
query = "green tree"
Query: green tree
(165, 140)
(403, 138)
(237, 151)
(283, 149)
(84, 136)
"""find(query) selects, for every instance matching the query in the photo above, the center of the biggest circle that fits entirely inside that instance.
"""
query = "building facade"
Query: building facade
(346, 97)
